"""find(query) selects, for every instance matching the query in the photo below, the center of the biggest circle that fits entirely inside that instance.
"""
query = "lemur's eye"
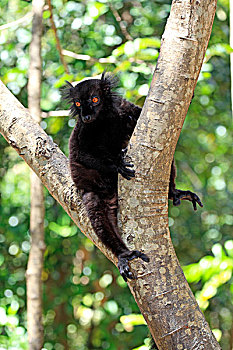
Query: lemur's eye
(95, 99)
(78, 104)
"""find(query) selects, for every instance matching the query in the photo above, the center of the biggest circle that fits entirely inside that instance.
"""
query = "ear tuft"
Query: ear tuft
(108, 81)
(66, 92)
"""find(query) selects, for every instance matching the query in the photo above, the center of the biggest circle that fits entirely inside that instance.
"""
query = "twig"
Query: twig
(56, 38)
(17, 22)
(77, 56)
(109, 59)
(191, 175)
(121, 23)
(61, 113)
(81, 57)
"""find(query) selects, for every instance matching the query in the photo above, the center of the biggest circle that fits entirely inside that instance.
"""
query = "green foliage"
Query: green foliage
(213, 271)
(87, 305)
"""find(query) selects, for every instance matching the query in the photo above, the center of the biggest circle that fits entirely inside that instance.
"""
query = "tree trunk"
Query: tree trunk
(161, 290)
(36, 255)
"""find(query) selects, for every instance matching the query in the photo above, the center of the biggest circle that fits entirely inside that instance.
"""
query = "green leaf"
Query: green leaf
(64, 231)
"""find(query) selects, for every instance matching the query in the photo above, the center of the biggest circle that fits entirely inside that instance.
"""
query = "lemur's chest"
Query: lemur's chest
(101, 137)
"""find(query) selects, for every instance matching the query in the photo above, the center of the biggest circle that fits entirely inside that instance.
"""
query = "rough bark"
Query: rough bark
(36, 255)
(161, 290)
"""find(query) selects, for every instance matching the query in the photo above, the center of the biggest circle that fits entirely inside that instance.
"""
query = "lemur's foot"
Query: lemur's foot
(188, 196)
(123, 260)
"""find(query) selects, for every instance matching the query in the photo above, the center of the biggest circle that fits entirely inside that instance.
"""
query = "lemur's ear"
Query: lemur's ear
(108, 82)
(67, 92)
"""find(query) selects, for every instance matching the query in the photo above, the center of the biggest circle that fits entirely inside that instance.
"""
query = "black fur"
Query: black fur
(97, 146)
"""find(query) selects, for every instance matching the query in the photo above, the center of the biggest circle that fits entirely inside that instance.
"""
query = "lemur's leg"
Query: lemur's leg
(103, 223)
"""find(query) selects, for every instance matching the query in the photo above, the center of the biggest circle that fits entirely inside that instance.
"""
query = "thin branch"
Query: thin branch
(109, 59)
(121, 23)
(61, 113)
(77, 56)
(56, 38)
(196, 182)
(22, 20)
(81, 57)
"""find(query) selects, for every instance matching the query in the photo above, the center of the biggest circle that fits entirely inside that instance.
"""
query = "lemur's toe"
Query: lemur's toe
(123, 260)
(144, 257)
(124, 269)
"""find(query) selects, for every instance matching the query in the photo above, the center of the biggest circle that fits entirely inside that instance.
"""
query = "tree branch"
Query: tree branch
(121, 23)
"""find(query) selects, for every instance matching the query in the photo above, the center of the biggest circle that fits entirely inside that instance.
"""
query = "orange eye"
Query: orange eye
(95, 99)
(78, 104)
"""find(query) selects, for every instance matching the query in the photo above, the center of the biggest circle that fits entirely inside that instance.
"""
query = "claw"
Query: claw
(123, 167)
(130, 165)
(126, 173)
(123, 260)
(144, 257)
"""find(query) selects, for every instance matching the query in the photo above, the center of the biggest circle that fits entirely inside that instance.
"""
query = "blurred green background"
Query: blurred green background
(87, 305)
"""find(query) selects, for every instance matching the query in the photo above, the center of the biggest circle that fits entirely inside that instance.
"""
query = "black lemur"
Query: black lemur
(104, 127)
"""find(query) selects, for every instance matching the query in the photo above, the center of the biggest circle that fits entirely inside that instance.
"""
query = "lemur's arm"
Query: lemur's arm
(107, 165)
(129, 114)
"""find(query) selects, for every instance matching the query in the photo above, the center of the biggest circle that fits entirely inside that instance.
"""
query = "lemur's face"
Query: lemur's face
(88, 100)
(90, 96)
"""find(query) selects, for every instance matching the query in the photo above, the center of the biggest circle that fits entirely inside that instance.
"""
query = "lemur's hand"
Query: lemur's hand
(123, 167)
